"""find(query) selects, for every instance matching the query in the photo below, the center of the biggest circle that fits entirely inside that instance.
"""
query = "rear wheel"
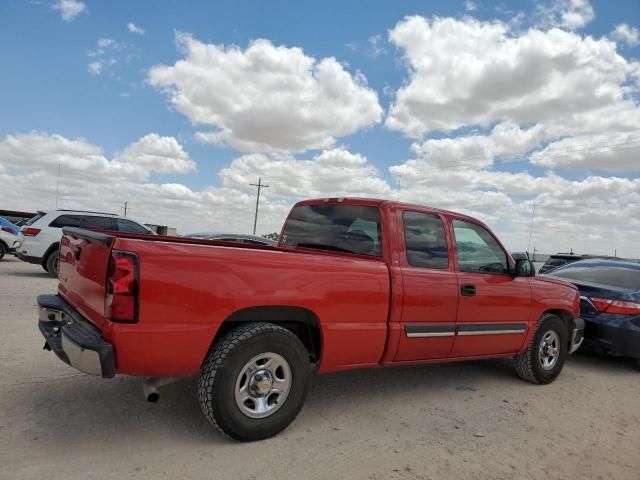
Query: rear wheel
(51, 264)
(3, 250)
(253, 383)
(543, 360)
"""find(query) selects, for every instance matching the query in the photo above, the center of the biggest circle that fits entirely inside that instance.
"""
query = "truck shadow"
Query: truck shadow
(78, 410)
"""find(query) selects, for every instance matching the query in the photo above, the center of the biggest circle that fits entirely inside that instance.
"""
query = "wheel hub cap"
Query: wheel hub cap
(261, 382)
(549, 350)
(263, 385)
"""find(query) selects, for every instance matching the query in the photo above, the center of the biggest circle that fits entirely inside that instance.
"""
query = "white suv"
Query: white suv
(39, 238)
(7, 241)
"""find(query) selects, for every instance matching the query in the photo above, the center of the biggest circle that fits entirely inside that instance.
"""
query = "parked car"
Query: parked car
(609, 303)
(7, 241)
(232, 237)
(8, 226)
(353, 283)
(559, 259)
(39, 238)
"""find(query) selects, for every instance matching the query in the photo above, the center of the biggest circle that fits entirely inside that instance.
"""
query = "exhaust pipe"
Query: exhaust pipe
(150, 387)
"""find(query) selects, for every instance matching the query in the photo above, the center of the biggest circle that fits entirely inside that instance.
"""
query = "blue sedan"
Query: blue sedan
(610, 303)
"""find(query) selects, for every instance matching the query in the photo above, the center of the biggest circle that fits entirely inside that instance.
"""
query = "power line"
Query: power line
(260, 186)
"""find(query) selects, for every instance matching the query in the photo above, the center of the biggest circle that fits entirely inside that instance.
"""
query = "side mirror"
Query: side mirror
(524, 268)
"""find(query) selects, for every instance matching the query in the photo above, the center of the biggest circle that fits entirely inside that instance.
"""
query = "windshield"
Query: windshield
(341, 228)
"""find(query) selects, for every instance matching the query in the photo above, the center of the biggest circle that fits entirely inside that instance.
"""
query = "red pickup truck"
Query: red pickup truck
(352, 283)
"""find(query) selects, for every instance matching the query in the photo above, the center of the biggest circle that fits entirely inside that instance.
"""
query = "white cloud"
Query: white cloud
(470, 6)
(266, 97)
(108, 53)
(39, 151)
(106, 42)
(133, 28)
(336, 172)
(95, 68)
(158, 154)
(69, 9)
(375, 47)
(568, 14)
(614, 151)
(467, 72)
(625, 33)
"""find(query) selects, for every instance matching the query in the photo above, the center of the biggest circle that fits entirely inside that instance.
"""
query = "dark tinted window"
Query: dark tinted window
(477, 250)
(343, 228)
(99, 223)
(425, 241)
(83, 221)
(129, 226)
(619, 277)
(34, 219)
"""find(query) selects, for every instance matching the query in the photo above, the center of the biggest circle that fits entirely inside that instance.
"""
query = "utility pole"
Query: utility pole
(260, 185)
(533, 215)
(125, 208)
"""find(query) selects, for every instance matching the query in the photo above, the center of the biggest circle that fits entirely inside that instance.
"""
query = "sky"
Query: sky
(524, 114)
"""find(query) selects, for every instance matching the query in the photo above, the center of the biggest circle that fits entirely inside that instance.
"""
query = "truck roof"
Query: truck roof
(376, 202)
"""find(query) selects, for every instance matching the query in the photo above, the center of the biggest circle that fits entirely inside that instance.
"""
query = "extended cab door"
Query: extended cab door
(430, 288)
(494, 306)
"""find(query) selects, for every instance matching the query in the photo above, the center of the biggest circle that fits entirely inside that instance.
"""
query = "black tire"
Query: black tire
(51, 263)
(44, 267)
(528, 364)
(223, 366)
(3, 250)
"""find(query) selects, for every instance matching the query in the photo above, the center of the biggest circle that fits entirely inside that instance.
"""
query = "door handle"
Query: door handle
(468, 290)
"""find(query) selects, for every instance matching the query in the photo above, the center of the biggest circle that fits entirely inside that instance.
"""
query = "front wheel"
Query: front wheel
(543, 360)
(3, 250)
(254, 381)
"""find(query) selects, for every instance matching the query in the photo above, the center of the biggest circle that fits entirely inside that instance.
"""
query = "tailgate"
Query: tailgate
(84, 259)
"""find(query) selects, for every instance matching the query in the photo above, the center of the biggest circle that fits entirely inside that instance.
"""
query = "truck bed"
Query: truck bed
(189, 287)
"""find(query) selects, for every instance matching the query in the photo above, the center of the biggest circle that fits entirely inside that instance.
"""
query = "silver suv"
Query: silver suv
(39, 237)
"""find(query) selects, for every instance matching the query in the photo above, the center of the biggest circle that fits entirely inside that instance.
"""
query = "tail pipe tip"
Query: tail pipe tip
(150, 387)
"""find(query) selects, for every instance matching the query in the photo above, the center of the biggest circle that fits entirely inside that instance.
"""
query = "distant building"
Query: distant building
(163, 229)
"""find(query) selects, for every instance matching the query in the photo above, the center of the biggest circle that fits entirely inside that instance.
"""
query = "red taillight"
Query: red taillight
(121, 298)
(30, 231)
(621, 307)
(7, 229)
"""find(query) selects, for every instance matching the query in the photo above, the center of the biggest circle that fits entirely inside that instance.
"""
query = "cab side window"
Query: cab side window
(425, 240)
(478, 251)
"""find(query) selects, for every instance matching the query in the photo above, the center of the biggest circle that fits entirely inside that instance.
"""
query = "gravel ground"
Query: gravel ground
(472, 420)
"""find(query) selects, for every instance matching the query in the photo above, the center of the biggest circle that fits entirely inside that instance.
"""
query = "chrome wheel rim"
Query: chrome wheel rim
(263, 385)
(549, 350)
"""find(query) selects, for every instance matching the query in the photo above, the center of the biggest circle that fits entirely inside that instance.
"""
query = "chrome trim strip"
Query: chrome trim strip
(429, 334)
(489, 332)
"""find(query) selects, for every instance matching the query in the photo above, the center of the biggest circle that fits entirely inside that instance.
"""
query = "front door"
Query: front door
(430, 289)
(494, 306)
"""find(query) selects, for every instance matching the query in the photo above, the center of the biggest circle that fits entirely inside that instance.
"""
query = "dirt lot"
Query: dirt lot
(471, 420)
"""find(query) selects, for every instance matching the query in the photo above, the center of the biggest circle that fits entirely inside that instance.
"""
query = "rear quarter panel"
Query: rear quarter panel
(187, 291)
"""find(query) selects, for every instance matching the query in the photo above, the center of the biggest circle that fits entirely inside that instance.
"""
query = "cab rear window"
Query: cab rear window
(341, 228)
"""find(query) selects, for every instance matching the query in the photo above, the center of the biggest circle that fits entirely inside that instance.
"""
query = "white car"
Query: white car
(7, 241)
(39, 238)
